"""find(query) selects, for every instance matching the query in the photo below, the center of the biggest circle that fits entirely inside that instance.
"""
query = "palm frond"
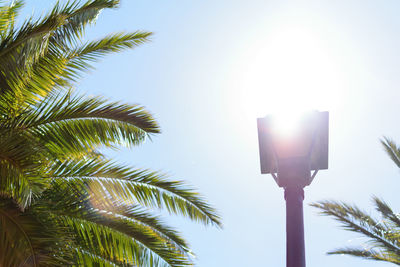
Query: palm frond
(139, 216)
(369, 254)
(78, 18)
(62, 203)
(137, 245)
(80, 57)
(66, 21)
(392, 150)
(86, 258)
(8, 14)
(21, 162)
(65, 107)
(379, 233)
(148, 188)
(387, 212)
(25, 240)
(135, 238)
(48, 51)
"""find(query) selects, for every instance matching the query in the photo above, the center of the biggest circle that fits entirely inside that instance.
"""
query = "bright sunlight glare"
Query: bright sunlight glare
(289, 73)
(286, 124)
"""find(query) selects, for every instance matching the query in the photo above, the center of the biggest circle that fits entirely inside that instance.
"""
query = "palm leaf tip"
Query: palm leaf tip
(387, 213)
(92, 120)
(381, 234)
(392, 150)
(150, 189)
(80, 56)
(175, 196)
(367, 253)
(382, 206)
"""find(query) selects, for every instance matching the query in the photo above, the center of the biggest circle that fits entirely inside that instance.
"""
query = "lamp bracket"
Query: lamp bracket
(274, 176)
(313, 175)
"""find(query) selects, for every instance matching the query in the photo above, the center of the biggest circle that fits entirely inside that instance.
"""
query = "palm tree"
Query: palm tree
(383, 234)
(62, 202)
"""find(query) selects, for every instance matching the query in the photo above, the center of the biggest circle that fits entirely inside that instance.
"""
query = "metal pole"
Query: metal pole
(295, 248)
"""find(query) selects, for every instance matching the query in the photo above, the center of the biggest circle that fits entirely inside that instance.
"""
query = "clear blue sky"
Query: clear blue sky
(214, 66)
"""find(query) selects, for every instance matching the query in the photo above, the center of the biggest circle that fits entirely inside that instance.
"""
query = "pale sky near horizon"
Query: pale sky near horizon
(213, 67)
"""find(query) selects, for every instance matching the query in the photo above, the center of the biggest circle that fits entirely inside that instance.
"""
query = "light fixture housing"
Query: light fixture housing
(291, 157)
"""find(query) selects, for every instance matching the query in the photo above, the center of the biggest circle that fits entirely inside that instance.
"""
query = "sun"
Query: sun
(288, 73)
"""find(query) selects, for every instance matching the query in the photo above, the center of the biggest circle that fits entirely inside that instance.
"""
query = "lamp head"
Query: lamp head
(294, 153)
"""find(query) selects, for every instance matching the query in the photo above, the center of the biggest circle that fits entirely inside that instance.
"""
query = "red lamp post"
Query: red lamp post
(290, 159)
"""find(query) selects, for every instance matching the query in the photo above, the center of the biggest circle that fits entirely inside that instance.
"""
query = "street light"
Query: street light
(290, 158)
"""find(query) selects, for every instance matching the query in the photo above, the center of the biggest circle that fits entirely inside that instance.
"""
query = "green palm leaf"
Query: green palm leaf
(383, 234)
(7, 17)
(27, 240)
(61, 201)
(148, 188)
(135, 234)
(392, 150)
(64, 108)
(368, 253)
